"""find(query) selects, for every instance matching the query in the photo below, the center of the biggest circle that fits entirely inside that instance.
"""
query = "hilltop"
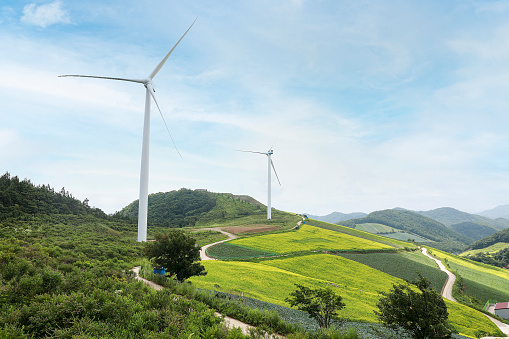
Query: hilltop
(189, 208)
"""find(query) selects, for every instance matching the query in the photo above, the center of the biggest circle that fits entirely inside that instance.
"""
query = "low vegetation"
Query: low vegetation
(476, 282)
(404, 265)
(308, 238)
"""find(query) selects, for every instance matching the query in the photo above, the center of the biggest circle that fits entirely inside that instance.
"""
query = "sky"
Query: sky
(368, 105)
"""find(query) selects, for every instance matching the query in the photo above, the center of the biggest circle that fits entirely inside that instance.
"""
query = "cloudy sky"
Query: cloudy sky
(368, 105)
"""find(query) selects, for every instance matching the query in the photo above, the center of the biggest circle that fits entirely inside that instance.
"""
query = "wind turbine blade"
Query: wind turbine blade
(151, 91)
(98, 77)
(271, 146)
(161, 64)
(275, 172)
(238, 150)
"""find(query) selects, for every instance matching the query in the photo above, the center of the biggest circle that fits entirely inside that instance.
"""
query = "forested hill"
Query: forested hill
(187, 207)
(21, 197)
(450, 216)
(502, 236)
(415, 223)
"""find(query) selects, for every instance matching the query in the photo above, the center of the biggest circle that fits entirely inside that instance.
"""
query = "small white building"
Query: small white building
(502, 310)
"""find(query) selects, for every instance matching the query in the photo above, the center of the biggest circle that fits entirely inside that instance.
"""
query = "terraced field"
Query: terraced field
(308, 238)
(491, 249)
(361, 234)
(481, 281)
(404, 265)
(272, 280)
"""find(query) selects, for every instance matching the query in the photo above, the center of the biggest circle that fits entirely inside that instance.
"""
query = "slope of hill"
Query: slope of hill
(412, 222)
(187, 207)
(501, 211)
(336, 217)
(450, 216)
(501, 236)
(473, 230)
(21, 197)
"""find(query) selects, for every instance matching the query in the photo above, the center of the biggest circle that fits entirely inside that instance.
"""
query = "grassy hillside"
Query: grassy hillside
(476, 282)
(412, 222)
(308, 238)
(357, 283)
(501, 236)
(361, 234)
(490, 249)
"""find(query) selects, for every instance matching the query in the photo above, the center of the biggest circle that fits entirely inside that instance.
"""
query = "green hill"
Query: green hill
(473, 230)
(22, 197)
(443, 237)
(501, 236)
(187, 207)
(450, 216)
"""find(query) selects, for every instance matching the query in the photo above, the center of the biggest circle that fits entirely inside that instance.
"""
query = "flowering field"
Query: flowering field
(308, 238)
(272, 280)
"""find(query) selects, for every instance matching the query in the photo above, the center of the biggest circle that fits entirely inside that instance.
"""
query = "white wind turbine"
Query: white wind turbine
(271, 164)
(147, 82)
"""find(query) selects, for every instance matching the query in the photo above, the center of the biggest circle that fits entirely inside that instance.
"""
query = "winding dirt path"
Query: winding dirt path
(447, 293)
(203, 250)
(229, 322)
(451, 278)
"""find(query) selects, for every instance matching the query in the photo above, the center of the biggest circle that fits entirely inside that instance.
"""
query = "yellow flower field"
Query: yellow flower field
(307, 238)
(359, 285)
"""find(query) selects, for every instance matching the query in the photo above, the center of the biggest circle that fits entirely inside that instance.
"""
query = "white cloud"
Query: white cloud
(45, 15)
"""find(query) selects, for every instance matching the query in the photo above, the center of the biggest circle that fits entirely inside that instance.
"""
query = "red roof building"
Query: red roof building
(502, 310)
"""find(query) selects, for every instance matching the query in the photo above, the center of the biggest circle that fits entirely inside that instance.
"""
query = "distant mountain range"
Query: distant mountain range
(450, 228)
(501, 211)
(336, 217)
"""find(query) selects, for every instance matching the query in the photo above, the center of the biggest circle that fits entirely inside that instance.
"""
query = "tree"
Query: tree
(177, 253)
(321, 303)
(423, 313)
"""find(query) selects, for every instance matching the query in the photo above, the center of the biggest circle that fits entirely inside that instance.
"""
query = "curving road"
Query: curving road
(447, 293)
(451, 278)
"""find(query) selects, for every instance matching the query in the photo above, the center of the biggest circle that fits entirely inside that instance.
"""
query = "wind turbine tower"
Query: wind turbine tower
(269, 184)
(149, 92)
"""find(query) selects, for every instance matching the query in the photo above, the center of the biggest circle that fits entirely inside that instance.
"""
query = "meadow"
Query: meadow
(490, 249)
(478, 280)
(308, 238)
(361, 234)
(272, 280)
(403, 265)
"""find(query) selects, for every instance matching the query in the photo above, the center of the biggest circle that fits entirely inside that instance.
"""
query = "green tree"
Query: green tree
(321, 303)
(423, 313)
(177, 253)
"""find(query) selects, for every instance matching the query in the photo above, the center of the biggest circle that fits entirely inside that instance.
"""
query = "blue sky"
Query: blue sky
(370, 105)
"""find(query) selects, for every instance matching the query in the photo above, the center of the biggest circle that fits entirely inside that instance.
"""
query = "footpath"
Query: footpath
(447, 293)
(229, 322)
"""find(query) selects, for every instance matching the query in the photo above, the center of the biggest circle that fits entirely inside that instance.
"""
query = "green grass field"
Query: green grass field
(272, 280)
(361, 234)
(308, 238)
(375, 228)
(404, 265)
(481, 281)
(207, 237)
(490, 250)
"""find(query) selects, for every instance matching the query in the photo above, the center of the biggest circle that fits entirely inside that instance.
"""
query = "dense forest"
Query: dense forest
(21, 197)
(473, 230)
(187, 207)
(443, 237)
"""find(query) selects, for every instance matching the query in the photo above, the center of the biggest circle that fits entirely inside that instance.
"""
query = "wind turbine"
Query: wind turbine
(271, 164)
(149, 92)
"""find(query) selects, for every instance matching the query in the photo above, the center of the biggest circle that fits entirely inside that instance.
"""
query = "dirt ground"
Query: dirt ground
(250, 229)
